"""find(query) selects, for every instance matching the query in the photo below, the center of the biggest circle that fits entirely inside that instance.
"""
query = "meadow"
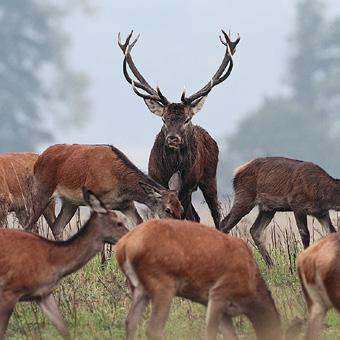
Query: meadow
(95, 300)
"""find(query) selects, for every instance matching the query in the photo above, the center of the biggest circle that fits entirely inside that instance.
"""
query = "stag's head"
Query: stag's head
(176, 116)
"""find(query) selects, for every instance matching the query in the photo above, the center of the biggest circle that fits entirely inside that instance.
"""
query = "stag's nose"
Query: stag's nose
(174, 140)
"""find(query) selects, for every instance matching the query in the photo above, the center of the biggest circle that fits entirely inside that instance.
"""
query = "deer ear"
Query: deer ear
(154, 107)
(93, 201)
(175, 182)
(197, 105)
(150, 190)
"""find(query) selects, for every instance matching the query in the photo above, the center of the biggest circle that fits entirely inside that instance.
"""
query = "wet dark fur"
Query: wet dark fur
(196, 161)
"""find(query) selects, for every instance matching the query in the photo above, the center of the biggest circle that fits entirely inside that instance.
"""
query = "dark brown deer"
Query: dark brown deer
(63, 169)
(319, 273)
(180, 145)
(166, 258)
(281, 184)
(32, 266)
(16, 170)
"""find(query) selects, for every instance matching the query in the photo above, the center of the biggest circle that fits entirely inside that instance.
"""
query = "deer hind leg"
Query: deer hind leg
(227, 327)
(67, 211)
(51, 310)
(160, 308)
(214, 318)
(242, 205)
(326, 222)
(49, 213)
(316, 315)
(209, 190)
(301, 222)
(189, 212)
(257, 232)
(6, 309)
(140, 301)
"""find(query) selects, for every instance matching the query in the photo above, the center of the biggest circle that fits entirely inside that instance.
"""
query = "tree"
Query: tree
(37, 85)
(305, 123)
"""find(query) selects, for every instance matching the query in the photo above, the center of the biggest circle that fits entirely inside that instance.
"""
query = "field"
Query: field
(95, 300)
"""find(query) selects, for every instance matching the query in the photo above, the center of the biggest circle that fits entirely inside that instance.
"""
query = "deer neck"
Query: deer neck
(69, 256)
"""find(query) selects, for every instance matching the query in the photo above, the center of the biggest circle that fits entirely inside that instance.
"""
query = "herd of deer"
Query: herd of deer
(163, 258)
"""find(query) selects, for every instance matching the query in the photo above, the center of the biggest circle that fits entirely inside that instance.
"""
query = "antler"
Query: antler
(141, 83)
(218, 77)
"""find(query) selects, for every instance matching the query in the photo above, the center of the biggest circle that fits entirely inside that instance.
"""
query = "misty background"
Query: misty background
(61, 75)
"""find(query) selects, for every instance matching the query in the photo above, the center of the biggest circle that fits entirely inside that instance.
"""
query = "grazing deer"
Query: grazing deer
(63, 169)
(16, 170)
(180, 145)
(166, 258)
(319, 273)
(32, 266)
(281, 184)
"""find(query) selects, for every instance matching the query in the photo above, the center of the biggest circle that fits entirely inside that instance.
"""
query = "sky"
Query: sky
(178, 46)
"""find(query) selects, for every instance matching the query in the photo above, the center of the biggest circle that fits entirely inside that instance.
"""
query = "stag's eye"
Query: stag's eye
(187, 121)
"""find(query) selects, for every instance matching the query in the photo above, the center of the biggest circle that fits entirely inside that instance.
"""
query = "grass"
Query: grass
(95, 300)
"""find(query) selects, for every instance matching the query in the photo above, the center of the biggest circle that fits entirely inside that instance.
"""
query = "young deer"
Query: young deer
(63, 169)
(32, 266)
(16, 170)
(166, 258)
(180, 145)
(319, 273)
(281, 184)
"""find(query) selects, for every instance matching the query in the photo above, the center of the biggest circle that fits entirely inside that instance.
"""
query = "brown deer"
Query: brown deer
(180, 145)
(281, 184)
(319, 273)
(166, 258)
(63, 169)
(16, 170)
(32, 266)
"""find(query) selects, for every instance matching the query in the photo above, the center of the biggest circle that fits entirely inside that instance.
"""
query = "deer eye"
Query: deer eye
(168, 211)
(187, 121)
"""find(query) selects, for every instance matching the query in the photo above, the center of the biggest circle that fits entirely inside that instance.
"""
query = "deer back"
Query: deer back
(16, 170)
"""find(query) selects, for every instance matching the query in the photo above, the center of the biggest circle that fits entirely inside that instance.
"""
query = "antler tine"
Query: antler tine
(144, 96)
(218, 76)
(142, 83)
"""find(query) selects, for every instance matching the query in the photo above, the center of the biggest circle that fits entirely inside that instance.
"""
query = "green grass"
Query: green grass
(95, 300)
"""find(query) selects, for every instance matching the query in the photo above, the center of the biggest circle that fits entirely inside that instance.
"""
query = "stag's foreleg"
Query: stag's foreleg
(209, 190)
(189, 211)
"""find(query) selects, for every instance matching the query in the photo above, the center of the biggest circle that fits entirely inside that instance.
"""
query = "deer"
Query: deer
(32, 266)
(162, 259)
(319, 273)
(181, 146)
(282, 184)
(63, 169)
(16, 170)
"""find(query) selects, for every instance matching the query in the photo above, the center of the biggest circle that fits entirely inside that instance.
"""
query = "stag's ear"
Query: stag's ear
(93, 201)
(197, 105)
(150, 190)
(175, 182)
(155, 107)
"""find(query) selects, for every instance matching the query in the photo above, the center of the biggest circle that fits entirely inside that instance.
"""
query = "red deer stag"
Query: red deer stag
(281, 184)
(63, 169)
(32, 266)
(16, 170)
(319, 273)
(166, 258)
(180, 145)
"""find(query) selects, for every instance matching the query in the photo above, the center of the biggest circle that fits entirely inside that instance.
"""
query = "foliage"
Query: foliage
(37, 84)
(304, 123)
